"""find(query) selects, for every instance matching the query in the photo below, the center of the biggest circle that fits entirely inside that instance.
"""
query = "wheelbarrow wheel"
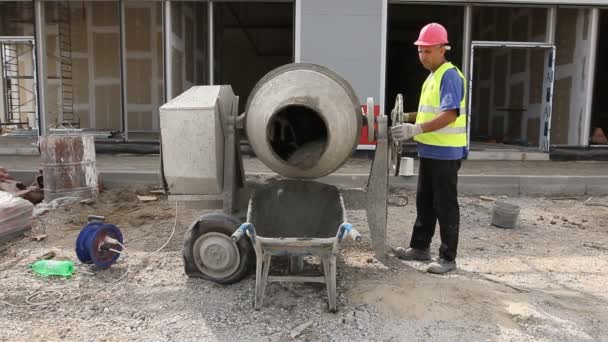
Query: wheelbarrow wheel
(210, 254)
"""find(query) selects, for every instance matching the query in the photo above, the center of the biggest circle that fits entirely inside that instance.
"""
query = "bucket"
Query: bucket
(406, 168)
(68, 163)
(504, 215)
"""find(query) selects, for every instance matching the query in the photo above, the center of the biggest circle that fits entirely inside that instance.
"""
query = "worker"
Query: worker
(440, 131)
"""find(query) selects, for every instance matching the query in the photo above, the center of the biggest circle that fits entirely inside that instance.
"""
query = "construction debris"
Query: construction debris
(295, 332)
(37, 237)
(47, 256)
(42, 208)
(594, 246)
(590, 202)
(147, 198)
(15, 215)
(32, 193)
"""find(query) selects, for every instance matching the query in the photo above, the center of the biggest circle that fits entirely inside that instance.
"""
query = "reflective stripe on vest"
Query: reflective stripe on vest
(453, 135)
(436, 110)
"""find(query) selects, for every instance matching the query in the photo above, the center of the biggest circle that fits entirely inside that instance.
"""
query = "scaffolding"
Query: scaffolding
(17, 106)
(65, 68)
(17, 52)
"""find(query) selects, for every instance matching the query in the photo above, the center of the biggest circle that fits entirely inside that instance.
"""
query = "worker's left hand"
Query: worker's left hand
(405, 131)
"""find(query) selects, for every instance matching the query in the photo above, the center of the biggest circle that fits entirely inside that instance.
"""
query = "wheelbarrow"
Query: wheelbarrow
(296, 218)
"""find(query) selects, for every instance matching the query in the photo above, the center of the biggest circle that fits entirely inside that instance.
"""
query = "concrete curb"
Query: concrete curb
(512, 185)
(525, 185)
(19, 151)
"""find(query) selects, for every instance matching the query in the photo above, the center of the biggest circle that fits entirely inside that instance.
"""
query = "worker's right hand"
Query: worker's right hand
(405, 131)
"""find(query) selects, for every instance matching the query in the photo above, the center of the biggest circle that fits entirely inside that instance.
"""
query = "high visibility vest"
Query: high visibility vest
(454, 134)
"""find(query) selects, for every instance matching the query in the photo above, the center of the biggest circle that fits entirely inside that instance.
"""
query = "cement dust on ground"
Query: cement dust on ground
(543, 281)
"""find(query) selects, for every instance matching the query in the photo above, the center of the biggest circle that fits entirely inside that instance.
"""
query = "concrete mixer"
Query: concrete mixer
(303, 121)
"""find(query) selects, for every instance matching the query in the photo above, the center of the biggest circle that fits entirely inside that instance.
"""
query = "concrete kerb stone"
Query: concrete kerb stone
(408, 183)
(115, 179)
(596, 185)
(488, 185)
(508, 155)
(552, 186)
(19, 150)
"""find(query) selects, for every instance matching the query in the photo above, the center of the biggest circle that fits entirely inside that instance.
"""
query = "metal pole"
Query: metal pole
(41, 77)
(33, 43)
(550, 101)
(467, 57)
(4, 94)
(123, 74)
(297, 55)
(167, 51)
(383, 43)
(507, 44)
(593, 35)
(466, 39)
(551, 22)
(469, 101)
(211, 52)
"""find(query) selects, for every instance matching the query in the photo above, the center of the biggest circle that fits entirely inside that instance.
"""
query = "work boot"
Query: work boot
(413, 253)
(441, 266)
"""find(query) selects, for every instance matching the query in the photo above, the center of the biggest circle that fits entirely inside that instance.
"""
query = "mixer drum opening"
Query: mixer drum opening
(303, 121)
(298, 136)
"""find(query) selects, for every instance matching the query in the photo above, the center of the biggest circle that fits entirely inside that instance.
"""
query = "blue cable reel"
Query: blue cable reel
(91, 244)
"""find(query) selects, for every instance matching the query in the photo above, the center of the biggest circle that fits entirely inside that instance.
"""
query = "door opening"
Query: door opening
(511, 94)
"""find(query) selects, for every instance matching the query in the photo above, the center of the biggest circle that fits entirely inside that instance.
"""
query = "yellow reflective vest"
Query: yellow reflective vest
(453, 135)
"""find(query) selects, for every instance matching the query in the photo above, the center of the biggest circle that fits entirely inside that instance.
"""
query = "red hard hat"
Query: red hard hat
(432, 34)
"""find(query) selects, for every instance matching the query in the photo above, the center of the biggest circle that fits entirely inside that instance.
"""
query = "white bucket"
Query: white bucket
(406, 168)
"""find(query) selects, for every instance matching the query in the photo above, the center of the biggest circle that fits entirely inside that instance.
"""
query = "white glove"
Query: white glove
(405, 131)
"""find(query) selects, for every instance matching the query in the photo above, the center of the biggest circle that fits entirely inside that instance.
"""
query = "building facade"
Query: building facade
(534, 66)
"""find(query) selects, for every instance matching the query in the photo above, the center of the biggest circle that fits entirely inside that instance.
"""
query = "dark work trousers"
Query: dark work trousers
(437, 200)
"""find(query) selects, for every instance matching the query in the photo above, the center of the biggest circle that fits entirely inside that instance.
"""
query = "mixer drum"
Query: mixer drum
(303, 120)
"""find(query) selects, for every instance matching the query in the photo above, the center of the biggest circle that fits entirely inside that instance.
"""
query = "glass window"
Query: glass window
(509, 24)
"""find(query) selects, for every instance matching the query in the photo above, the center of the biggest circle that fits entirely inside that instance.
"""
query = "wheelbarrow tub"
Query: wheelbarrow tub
(296, 209)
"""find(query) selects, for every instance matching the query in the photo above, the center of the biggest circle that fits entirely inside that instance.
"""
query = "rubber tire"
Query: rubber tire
(219, 223)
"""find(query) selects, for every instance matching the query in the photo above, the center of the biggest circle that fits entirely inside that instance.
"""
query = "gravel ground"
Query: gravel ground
(543, 281)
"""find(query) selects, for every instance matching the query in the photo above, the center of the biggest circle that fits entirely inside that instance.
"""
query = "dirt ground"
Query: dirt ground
(543, 281)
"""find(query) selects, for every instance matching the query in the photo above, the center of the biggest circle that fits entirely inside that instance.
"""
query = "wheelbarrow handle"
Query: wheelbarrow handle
(238, 234)
(348, 229)
(355, 235)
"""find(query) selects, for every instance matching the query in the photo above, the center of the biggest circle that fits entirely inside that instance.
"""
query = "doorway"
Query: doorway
(404, 73)
(599, 113)
(511, 94)
(256, 34)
